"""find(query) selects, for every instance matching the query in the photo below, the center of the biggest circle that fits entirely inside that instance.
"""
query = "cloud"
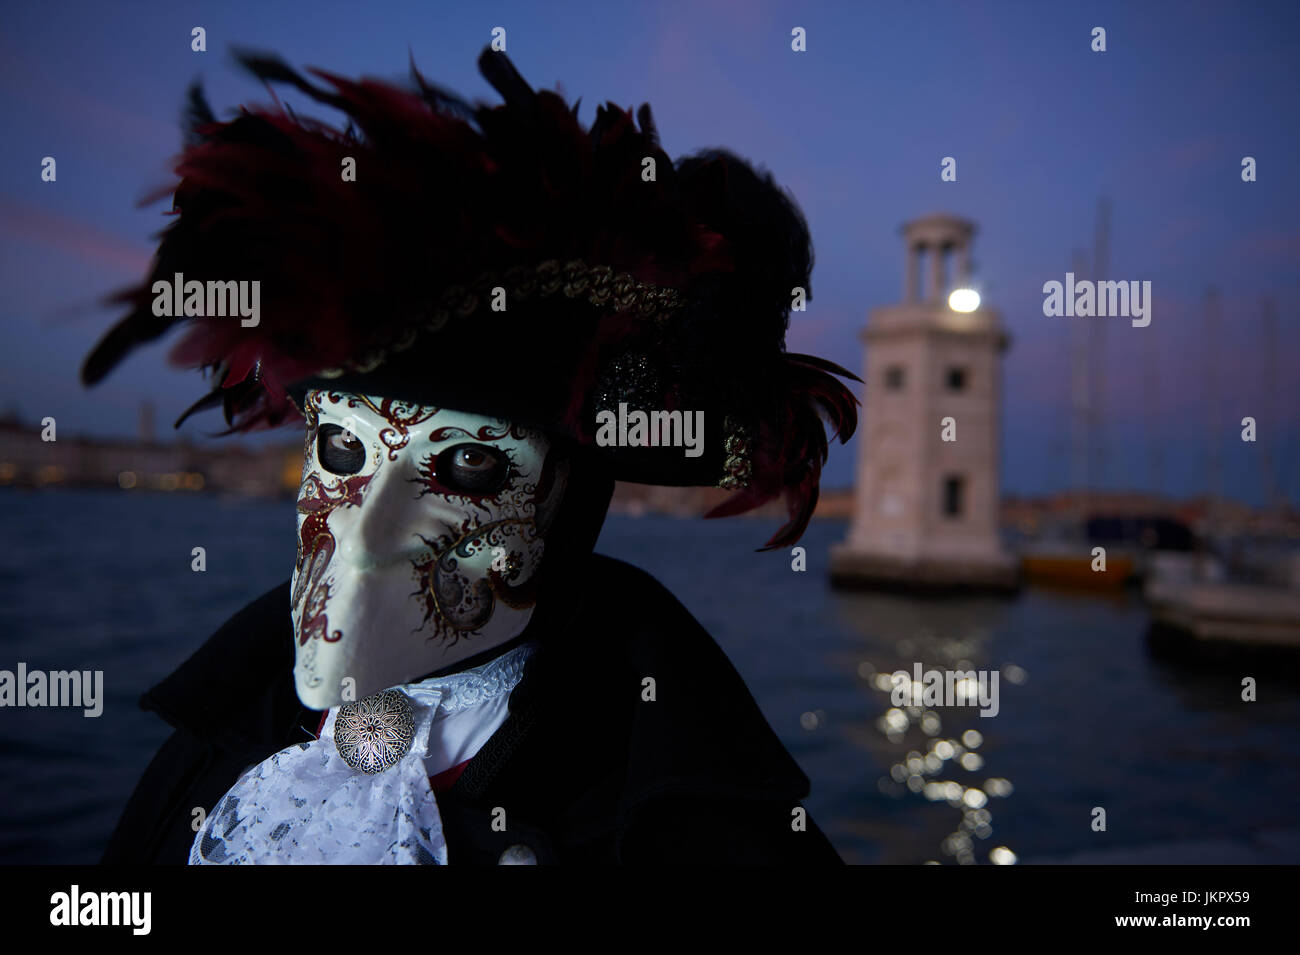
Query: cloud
(25, 223)
(1191, 154)
(1273, 245)
(36, 83)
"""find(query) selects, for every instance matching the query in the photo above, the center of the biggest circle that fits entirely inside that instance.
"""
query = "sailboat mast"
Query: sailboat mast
(1268, 422)
(1214, 463)
(1080, 397)
(1097, 405)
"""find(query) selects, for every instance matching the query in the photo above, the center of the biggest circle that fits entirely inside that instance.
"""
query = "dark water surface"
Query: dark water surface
(1185, 771)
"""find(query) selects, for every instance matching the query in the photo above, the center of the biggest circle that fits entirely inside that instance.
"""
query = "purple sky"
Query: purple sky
(855, 127)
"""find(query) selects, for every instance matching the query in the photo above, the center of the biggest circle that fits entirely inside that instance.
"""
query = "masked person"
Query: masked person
(485, 316)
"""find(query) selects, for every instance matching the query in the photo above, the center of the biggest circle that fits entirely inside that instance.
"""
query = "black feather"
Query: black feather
(137, 328)
(505, 79)
(196, 116)
(440, 99)
(647, 121)
(210, 400)
(269, 68)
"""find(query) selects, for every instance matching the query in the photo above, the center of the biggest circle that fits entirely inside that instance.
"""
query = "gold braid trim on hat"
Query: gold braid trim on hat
(736, 469)
(599, 285)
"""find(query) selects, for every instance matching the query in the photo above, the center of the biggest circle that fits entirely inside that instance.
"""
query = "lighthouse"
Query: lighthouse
(926, 494)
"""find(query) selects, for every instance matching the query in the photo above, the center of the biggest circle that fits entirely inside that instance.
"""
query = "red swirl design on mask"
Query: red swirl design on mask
(401, 417)
(487, 432)
(316, 546)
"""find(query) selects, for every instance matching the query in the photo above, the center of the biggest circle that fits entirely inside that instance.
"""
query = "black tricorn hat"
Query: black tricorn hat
(499, 260)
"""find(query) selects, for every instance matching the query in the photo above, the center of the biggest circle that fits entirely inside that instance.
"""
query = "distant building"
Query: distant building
(926, 509)
(26, 460)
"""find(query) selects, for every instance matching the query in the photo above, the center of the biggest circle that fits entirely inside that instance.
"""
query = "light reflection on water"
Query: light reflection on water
(934, 751)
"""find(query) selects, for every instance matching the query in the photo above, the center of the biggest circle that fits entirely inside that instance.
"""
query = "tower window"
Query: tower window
(956, 379)
(954, 495)
(894, 378)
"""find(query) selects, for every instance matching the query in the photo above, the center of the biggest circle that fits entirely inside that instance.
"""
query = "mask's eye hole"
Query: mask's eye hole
(339, 450)
(472, 468)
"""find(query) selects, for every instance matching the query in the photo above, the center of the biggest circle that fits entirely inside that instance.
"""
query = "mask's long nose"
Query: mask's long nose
(379, 533)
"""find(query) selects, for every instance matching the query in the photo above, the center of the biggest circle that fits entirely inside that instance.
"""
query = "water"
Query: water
(1183, 768)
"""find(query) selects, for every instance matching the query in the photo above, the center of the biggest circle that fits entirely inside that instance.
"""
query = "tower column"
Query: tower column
(962, 279)
(935, 290)
(910, 272)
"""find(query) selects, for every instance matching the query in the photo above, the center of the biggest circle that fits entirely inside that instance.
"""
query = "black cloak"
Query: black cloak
(587, 770)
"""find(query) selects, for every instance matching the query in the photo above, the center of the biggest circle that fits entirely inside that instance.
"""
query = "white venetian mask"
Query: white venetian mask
(420, 533)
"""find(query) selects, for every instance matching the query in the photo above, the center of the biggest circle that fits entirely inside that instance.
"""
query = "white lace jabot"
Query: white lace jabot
(306, 805)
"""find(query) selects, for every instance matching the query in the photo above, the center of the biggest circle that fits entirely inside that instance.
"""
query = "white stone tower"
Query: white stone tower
(925, 509)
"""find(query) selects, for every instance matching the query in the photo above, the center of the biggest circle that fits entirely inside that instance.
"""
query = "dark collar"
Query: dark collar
(232, 691)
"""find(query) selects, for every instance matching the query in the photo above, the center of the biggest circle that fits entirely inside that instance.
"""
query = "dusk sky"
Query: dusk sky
(855, 127)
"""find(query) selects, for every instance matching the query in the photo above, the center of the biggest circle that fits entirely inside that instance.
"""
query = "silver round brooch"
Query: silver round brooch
(374, 733)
